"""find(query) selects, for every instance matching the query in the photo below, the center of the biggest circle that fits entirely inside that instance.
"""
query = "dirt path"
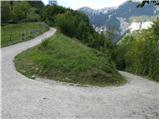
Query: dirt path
(25, 98)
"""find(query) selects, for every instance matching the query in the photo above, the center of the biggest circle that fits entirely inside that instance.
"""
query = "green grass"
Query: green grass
(14, 33)
(64, 59)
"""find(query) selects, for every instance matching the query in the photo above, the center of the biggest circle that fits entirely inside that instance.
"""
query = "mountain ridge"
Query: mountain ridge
(118, 17)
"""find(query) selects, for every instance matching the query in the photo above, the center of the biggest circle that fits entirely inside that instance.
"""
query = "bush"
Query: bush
(76, 24)
(48, 13)
(6, 12)
(44, 43)
(139, 53)
(33, 16)
(21, 10)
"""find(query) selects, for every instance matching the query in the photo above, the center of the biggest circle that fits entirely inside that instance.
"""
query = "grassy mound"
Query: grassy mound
(64, 59)
(14, 33)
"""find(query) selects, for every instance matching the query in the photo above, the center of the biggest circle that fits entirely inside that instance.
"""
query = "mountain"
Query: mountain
(139, 25)
(119, 18)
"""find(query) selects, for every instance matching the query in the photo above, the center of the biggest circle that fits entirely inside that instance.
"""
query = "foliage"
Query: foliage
(74, 24)
(44, 44)
(66, 22)
(33, 16)
(68, 60)
(139, 52)
(38, 5)
(142, 4)
(6, 13)
(48, 12)
(21, 10)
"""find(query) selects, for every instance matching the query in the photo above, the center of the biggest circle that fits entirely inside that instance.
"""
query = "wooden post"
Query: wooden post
(23, 35)
(10, 36)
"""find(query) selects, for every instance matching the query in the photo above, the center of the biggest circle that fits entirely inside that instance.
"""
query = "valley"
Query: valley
(121, 19)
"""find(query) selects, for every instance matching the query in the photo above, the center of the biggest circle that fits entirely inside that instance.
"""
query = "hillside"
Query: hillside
(118, 18)
(80, 56)
(15, 33)
(64, 59)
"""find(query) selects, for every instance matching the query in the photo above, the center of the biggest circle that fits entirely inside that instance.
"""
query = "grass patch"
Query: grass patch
(64, 59)
(14, 33)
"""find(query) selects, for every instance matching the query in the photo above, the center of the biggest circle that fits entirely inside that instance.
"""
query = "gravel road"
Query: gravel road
(26, 98)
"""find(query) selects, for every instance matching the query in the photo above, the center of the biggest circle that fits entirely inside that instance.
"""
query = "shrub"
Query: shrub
(44, 43)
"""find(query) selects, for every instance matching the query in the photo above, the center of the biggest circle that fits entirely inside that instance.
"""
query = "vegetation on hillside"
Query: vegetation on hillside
(20, 11)
(64, 59)
(139, 52)
(61, 57)
(71, 23)
(81, 55)
(76, 25)
(14, 33)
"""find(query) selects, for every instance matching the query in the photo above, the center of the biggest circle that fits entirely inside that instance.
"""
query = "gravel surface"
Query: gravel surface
(26, 98)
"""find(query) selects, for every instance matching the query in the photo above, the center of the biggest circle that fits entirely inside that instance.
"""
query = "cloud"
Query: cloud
(95, 4)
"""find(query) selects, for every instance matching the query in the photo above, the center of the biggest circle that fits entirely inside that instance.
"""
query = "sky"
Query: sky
(95, 4)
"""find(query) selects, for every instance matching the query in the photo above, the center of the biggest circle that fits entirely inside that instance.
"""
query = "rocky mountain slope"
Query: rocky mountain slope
(120, 18)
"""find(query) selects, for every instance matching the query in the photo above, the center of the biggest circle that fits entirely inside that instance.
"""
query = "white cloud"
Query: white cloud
(95, 4)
